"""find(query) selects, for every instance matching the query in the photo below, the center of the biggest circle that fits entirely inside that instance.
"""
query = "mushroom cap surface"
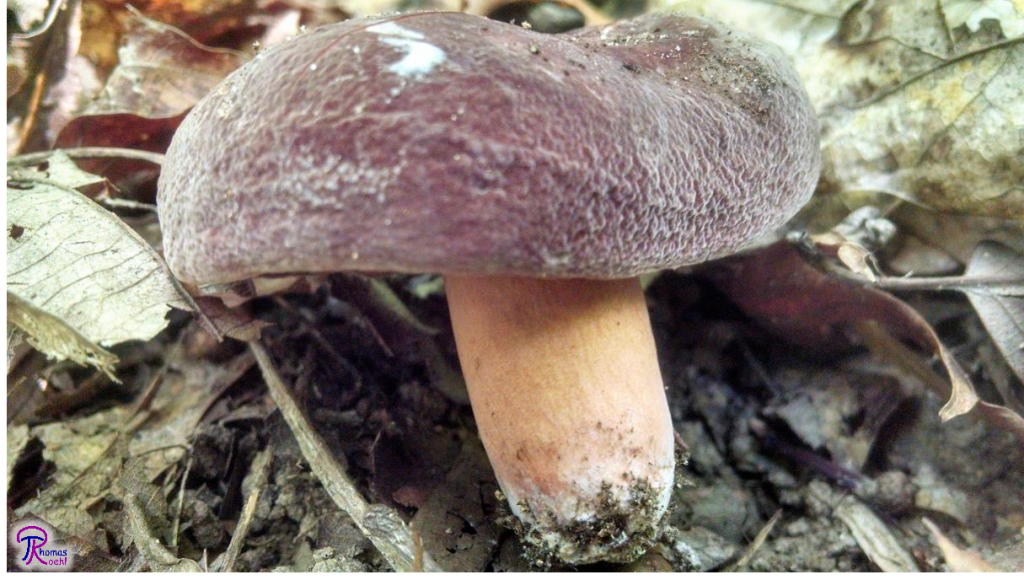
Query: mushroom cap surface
(444, 142)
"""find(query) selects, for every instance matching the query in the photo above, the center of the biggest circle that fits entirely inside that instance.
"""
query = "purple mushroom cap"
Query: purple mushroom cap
(444, 142)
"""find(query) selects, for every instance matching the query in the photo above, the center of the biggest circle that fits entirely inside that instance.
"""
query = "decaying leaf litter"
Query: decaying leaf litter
(806, 383)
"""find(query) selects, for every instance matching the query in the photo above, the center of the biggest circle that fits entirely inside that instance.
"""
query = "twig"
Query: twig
(260, 468)
(754, 546)
(987, 284)
(380, 524)
(944, 283)
(176, 527)
(152, 552)
(90, 153)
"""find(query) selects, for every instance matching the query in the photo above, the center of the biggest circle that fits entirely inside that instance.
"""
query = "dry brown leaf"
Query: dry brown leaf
(776, 287)
(105, 22)
(959, 559)
(919, 100)
(161, 74)
(72, 261)
(234, 322)
(53, 82)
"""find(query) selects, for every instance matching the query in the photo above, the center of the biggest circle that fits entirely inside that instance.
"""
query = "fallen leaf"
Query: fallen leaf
(792, 299)
(55, 82)
(959, 559)
(916, 99)
(17, 440)
(1001, 308)
(892, 350)
(161, 73)
(57, 168)
(172, 417)
(234, 322)
(13, 341)
(69, 260)
(87, 455)
(874, 537)
(958, 235)
(54, 337)
(856, 259)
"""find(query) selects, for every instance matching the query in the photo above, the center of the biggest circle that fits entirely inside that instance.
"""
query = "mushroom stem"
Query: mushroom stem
(569, 401)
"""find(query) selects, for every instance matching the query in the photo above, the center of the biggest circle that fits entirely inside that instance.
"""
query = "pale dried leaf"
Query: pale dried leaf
(874, 537)
(59, 168)
(856, 258)
(959, 559)
(15, 339)
(914, 101)
(971, 13)
(87, 454)
(28, 13)
(1001, 309)
(80, 264)
(17, 440)
(55, 338)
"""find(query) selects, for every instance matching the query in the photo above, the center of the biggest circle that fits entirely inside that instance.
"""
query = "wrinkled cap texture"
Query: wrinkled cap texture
(444, 142)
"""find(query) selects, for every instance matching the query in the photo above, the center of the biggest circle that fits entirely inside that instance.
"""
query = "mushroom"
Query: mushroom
(541, 175)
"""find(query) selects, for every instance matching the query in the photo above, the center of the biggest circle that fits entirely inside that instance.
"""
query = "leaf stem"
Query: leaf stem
(90, 153)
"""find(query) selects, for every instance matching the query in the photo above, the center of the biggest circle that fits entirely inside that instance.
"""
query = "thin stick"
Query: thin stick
(990, 284)
(380, 524)
(176, 528)
(940, 283)
(260, 467)
(754, 546)
(90, 153)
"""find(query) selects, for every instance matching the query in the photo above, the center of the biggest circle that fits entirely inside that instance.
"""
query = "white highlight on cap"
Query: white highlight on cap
(420, 57)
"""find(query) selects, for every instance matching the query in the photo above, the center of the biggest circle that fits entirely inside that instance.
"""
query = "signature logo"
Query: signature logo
(31, 540)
